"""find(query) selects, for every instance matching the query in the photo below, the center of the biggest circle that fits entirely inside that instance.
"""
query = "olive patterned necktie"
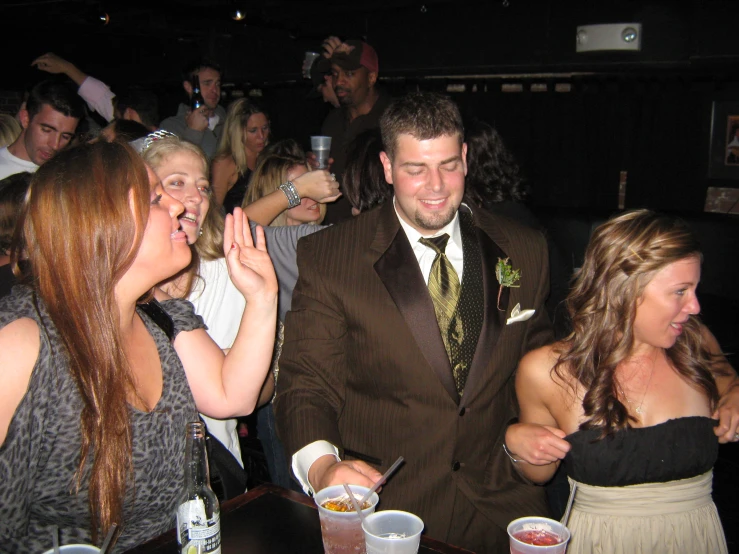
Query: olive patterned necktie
(444, 289)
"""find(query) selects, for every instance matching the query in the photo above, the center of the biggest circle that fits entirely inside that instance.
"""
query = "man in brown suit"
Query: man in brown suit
(365, 372)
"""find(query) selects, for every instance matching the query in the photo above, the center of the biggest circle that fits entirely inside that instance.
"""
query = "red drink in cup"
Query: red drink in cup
(538, 535)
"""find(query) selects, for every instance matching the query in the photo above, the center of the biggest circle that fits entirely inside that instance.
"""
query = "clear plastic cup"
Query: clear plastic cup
(76, 549)
(522, 531)
(310, 59)
(392, 532)
(342, 531)
(321, 146)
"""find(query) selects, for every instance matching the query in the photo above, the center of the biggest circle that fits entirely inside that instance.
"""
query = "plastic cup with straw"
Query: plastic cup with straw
(342, 531)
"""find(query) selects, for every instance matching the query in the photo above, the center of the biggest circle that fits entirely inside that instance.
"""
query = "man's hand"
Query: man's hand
(310, 157)
(536, 444)
(318, 185)
(728, 415)
(326, 471)
(329, 45)
(51, 63)
(197, 120)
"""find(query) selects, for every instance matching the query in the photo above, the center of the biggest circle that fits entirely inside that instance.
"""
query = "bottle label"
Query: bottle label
(196, 533)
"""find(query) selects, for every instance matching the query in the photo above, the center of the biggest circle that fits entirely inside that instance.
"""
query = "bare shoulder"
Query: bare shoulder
(537, 365)
(223, 161)
(19, 349)
(19, 336)
(224, 168)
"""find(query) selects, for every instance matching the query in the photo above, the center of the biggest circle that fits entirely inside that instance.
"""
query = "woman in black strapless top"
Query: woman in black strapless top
(245, 135)
(635, 400)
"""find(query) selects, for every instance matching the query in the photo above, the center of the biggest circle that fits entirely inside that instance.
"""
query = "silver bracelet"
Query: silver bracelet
(514, 460)
(293, 198)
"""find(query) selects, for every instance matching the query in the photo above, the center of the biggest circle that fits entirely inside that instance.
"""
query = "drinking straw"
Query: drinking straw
(570, 501)
(108, 538)
(382, 480)
(55, 538)
(357, 505)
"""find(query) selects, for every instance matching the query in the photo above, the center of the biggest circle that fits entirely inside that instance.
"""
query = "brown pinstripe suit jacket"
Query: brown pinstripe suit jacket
(363, 366)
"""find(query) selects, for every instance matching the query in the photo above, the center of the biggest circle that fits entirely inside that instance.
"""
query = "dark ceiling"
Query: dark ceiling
(148, 42)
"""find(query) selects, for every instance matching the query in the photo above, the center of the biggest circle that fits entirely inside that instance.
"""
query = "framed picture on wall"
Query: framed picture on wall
(723, 161)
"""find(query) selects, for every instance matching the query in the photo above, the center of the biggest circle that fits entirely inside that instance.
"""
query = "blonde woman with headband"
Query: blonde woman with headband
(636, 400)
(183, 170)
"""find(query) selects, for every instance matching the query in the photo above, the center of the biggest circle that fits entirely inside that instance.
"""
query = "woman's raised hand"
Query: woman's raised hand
(249, 265)
(536, 444)
(318, 185)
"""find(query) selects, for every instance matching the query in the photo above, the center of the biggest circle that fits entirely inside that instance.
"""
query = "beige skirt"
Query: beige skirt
(677, 517)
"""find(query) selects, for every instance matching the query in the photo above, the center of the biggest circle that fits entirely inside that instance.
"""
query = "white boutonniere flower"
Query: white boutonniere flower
(517, 314)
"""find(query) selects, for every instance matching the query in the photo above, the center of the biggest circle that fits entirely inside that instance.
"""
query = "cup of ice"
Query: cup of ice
(392, 532)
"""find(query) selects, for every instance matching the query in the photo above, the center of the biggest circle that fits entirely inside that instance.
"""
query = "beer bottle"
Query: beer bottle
(199, 516)
(196, 101)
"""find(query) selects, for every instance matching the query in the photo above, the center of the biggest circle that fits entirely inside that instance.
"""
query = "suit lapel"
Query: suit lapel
(489, 241)
(398, 269)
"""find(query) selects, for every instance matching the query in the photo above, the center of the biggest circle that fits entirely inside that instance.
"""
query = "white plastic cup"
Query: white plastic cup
(342, 531)
(310, 58)
(392, 532)
(321, 147)
(540, 525)
(76, 549)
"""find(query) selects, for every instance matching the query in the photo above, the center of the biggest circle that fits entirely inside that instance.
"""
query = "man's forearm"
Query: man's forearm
(322, 453)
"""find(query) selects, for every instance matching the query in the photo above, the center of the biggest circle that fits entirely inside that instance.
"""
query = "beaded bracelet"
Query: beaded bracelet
(293, 198)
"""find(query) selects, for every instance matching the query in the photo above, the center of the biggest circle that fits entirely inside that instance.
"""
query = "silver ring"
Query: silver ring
(333, 178)
(736, 437)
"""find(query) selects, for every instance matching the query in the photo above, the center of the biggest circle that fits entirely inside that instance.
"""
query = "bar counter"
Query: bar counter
(271, 520)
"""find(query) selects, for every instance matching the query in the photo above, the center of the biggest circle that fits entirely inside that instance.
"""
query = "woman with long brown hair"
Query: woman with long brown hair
(98, 382)
(629, 399)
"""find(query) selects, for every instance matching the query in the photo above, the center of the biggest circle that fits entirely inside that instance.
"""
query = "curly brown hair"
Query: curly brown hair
(622, 257)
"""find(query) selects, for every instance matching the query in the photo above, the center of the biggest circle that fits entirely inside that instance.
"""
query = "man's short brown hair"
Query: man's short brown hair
(423, 115)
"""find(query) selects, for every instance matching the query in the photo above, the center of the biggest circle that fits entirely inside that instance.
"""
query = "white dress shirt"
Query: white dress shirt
(304, 458)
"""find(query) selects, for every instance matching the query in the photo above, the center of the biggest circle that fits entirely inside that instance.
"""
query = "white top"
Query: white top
(221, 306)
(304, 458)
(10, 165)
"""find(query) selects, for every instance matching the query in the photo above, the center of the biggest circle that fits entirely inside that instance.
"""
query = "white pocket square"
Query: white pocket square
(517, 314)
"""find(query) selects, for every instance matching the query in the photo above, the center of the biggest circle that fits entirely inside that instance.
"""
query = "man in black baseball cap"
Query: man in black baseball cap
(354, 71)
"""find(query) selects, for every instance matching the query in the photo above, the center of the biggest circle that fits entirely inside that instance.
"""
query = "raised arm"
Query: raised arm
(536, 442)
(97, 94)
(51, 63)
(228, 386)
(318, 185)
